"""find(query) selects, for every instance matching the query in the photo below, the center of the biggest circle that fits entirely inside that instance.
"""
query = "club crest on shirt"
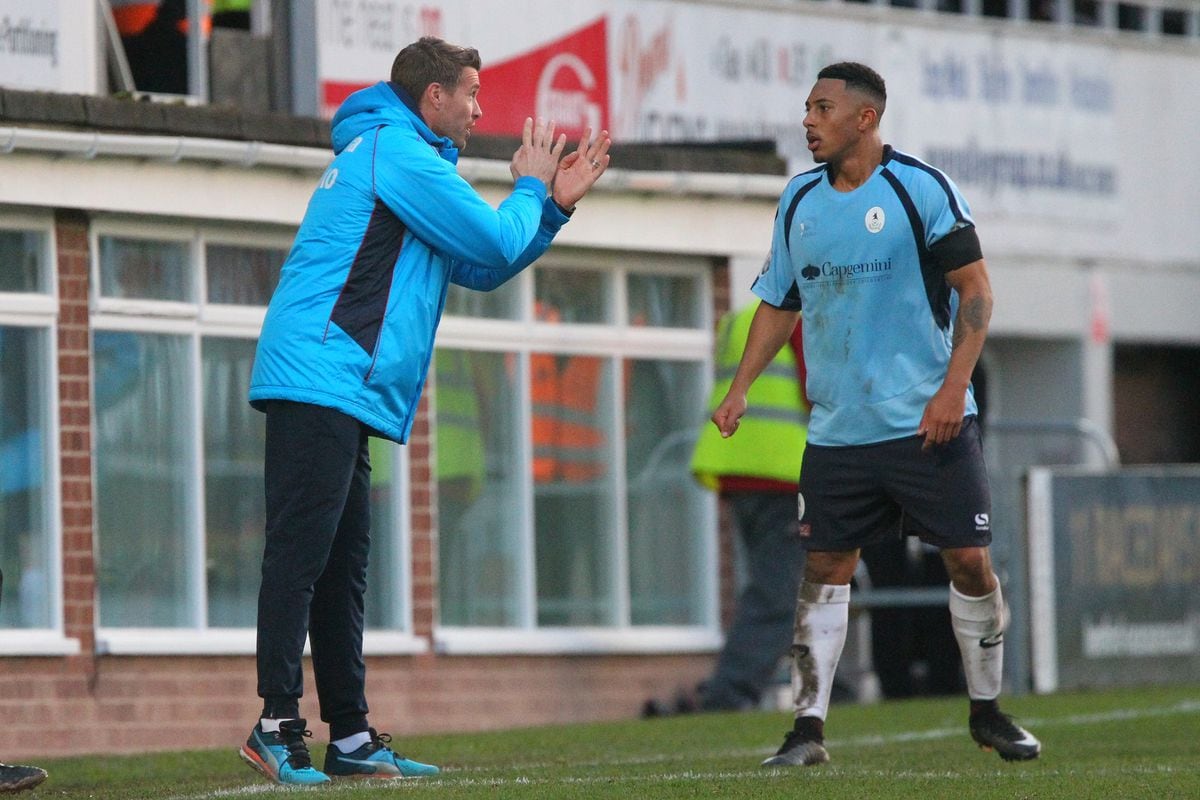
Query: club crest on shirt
(875, 219)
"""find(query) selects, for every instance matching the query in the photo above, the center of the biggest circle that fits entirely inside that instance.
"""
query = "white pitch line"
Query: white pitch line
(1117, 714)
(449, 778)
(753, 773)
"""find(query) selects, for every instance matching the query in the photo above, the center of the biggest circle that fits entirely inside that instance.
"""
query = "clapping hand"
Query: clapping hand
(539, 153)
(580, 169)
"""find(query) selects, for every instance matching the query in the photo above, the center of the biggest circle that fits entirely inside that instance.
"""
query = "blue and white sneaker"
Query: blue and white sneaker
(374, 760)
(283, 756)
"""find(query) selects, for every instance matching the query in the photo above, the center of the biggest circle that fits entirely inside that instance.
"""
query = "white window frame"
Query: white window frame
(615, 342)
(198, 320)
(40, 311)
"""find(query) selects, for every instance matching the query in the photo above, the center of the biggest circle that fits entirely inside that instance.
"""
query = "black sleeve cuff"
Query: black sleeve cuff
(956, 249)
(790, 302)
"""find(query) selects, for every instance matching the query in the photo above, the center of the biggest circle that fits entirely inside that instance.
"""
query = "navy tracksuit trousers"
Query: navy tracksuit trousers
(314, 570)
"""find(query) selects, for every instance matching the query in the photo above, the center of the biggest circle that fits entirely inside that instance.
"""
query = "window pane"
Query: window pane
(143, 446)
(1086, 12)
(24, 528)
(1174, 22)
(22, 261)
(1043, 10)
(668, 511)
(665, 301)
(479, 488)
(1131, 17)
(995, 8)
(572, 429)
(244, 276)
(503, 302)
(385, 601)
(234, 516)
(144, 269)
(572, 295)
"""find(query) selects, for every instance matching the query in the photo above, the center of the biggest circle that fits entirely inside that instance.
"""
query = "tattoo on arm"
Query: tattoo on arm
(973, 316)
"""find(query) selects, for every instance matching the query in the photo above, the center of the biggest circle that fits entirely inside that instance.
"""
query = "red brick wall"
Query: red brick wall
(74, 389)
(423, 506)
(210, 701)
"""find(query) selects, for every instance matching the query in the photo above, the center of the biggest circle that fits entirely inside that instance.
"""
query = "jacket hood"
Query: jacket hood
(385, 103)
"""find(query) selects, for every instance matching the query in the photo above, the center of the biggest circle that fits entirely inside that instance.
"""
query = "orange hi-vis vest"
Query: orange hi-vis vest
(544, 390)
(581, 442)
(544, 394)
(134, 16)
(569, 443)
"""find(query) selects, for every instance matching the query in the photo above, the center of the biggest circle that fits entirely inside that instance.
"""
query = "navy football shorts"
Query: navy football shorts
(859, 495)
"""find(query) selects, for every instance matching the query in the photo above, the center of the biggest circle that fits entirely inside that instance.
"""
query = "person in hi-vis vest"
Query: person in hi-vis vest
(571, 473)
(756, 473)
(155, 38)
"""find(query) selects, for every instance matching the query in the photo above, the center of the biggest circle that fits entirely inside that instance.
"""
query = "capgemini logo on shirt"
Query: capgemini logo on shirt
(863, 271)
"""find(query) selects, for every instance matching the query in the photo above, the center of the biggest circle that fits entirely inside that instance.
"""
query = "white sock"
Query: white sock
(822, 616)
(272, 725)
(979, 624)
(352, 742)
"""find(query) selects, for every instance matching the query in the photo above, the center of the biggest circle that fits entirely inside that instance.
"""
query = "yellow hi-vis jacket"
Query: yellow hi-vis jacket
(769, 442)
(460, 448)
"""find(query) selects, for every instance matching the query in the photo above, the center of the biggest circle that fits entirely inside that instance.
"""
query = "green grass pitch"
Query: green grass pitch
(1141, 743)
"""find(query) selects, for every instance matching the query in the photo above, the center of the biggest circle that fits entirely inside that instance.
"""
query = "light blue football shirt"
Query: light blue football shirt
(878, 313)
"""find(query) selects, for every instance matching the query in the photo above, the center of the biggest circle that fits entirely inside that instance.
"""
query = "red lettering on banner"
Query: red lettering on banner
(565, 80)
(431, 21)
(641, 67)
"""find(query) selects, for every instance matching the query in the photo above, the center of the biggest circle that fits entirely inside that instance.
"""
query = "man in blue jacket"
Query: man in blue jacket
(343, 355)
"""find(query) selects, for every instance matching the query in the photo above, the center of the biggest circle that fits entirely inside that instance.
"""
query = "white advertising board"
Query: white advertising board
(49, 45)
(1025, 122)
(1114, 577)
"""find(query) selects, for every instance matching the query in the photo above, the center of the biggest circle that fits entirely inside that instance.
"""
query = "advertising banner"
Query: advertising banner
(1022, 123)
(1024, 118)
(1114, 577)
(48, 45)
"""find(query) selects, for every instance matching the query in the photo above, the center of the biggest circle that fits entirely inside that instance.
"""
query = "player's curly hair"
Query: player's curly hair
(861, 78)
(432, 60)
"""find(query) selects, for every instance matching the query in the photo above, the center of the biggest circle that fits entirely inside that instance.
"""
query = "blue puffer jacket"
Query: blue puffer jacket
(389, 227)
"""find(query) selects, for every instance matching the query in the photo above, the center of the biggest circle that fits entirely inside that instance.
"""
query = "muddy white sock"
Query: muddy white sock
(822, 616)
(979, 624)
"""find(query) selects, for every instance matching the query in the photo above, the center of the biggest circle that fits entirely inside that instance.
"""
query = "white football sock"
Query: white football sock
(272, 725)
(979, 624)
(352, 742)
(822, 616)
